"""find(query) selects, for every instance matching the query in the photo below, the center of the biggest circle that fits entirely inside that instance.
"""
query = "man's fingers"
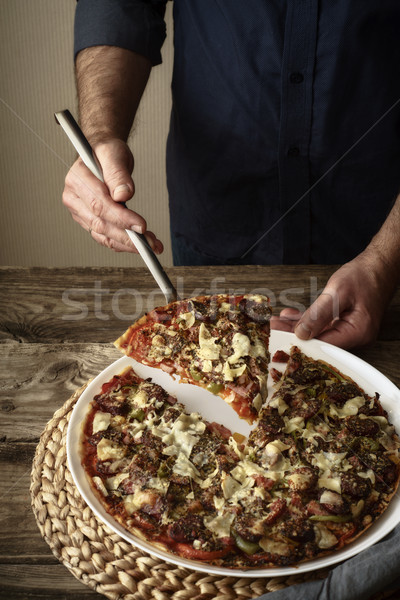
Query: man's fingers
(154, 242)
(105, 232)
(344, 334)
(85, 191)
(287, 319)
(97, 206)
(320, 314)
(114, 238)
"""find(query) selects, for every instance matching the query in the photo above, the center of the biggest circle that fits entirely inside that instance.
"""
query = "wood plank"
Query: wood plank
(37, 379)
(48, 305)
(42, 582)
(384, 356)
(20, 538)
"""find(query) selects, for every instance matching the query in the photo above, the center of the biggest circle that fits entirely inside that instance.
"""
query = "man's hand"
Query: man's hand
(96, 206)
(349, 311)
(110, 82)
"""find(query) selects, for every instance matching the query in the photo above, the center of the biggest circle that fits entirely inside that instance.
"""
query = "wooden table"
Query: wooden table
(56, 330)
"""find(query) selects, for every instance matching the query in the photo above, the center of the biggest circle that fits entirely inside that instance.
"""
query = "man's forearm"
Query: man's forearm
(110, 84)
(386, 243)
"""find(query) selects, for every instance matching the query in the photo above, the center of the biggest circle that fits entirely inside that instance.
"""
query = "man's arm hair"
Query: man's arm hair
(386, 243)
(110, 83)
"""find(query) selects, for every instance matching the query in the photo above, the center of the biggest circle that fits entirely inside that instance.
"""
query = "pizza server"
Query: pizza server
(85, 151)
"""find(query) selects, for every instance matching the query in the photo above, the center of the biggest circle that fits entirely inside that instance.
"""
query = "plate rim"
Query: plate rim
(383, 525)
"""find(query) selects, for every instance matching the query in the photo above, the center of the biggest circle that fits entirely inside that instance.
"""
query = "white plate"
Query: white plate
(215, 409)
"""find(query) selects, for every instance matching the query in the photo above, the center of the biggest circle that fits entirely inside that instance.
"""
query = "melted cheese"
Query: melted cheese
(274, 547)
(367, 475)
(220, 525)
(184, 467)
(279, 403)
(183, 435)
(273, 457)
(218, 502)
(240, 347)
(234, 491)
(186, 320)
(107, 450)
(112, 483)
(331, 497)
(330, 482)
(257, 348)
(246, 468)
(328, 460)
(134, 502)
(229, 486)
(101, 421)
(257, 402)
(140, 398)
(356, 509)
(100, 485)
(230, 373)
(324, 537)
(207, 366)
(161, 485)
(235, 446)
(294, 424)
(208, 350)
(118, 464)
(226, 307)
(208, 481)
(298, 480)
(349, 408)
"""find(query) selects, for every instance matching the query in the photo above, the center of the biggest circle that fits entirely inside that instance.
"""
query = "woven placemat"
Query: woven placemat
(100, 558)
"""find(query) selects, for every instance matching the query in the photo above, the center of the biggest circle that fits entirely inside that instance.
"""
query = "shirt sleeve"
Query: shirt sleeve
(136, 25)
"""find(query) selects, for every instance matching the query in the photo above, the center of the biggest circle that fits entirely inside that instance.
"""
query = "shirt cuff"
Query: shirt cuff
(136, 25)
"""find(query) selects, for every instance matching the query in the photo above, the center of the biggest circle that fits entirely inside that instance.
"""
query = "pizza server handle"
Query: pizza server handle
(85, 151)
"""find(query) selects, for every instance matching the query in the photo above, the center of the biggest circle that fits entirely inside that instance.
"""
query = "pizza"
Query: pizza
(318, 468)
(217, 342)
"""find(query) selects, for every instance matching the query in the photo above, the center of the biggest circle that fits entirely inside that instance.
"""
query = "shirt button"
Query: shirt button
(296, 77)
(293, 151)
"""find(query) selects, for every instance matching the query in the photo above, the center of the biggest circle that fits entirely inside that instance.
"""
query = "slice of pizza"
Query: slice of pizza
(217, 342)
(156, 469)
(329, 449)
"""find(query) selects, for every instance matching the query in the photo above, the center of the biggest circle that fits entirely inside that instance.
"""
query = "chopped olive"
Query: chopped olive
(365, 443)
(163, 470)
(335, 373)
(215, 388)
(333, 518)
(138, 414)
(195, 374)
(244, 545)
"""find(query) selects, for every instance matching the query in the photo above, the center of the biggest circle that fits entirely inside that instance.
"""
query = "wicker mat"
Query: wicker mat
(101, 559)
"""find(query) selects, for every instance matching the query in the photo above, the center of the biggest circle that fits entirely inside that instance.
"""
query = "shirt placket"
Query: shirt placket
(295, 126)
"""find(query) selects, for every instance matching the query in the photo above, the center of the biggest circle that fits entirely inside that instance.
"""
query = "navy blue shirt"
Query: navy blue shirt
(284, 143)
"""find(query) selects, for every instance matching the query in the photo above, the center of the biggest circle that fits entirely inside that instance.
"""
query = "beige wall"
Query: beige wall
(37, 79)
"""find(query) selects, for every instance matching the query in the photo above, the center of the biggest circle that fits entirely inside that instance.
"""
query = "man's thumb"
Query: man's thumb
(122, 192)
(117, 163)
(318, 316)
